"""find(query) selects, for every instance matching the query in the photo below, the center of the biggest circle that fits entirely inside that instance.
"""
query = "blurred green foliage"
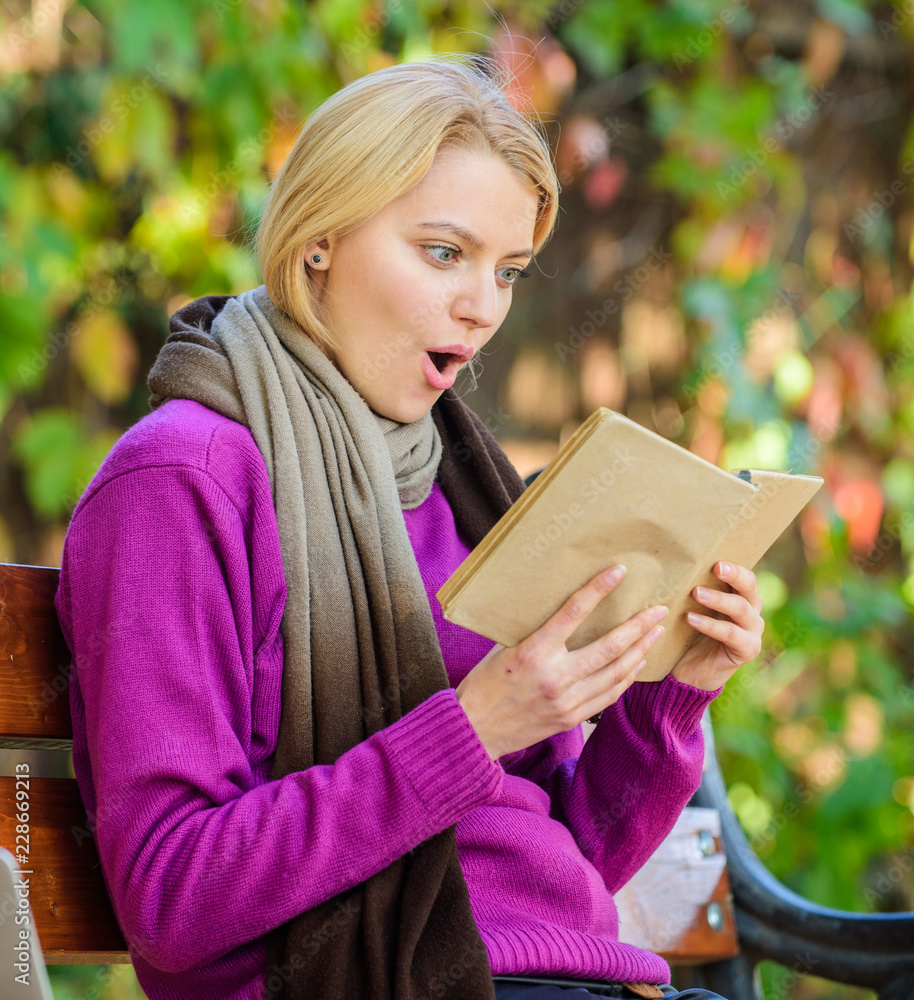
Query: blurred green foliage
(768, 158)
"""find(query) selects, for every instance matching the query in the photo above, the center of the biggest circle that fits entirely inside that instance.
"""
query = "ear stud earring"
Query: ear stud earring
(315, 258)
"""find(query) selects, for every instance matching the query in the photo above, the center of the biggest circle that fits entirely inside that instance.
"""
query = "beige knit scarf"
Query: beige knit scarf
(360, 644)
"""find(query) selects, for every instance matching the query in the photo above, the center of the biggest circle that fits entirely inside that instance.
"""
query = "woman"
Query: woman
(303, 781)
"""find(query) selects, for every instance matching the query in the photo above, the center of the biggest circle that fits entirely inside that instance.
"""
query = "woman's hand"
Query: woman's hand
(727, 641)
(522, 694)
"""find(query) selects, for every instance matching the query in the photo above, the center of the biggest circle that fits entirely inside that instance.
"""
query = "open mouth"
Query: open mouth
(441, 358)
(441, 368)
(441, 364)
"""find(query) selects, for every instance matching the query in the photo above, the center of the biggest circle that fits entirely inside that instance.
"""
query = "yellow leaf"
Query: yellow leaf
(105, 354)
(6, 542)
(69, 195)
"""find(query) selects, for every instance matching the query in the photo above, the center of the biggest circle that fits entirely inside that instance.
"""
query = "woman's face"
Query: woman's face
(418, 289)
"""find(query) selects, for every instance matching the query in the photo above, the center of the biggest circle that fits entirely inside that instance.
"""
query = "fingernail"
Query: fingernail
(659, 613)
(640, 666)
(693, 618)
(724, 569)
(614, 575)
(655, 633)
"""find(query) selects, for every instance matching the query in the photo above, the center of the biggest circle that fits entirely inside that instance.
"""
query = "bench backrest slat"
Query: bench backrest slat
(34, 661)
(67, 893)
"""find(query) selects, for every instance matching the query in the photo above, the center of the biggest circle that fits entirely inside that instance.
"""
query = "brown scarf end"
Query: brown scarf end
(644, 989)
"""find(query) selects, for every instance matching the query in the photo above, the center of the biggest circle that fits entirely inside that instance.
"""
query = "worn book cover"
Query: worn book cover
(619, 493)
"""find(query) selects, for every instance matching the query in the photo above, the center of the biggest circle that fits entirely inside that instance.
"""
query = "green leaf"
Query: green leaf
(598, 32)
(59, 459)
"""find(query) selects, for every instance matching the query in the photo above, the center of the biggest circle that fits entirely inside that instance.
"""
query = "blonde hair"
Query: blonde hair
(373, 141)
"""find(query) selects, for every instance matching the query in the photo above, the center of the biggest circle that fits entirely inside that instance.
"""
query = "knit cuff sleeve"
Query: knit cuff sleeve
(443, 758)
(669, 701)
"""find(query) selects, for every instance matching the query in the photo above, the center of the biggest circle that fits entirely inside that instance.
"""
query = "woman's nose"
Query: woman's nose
(477, 302)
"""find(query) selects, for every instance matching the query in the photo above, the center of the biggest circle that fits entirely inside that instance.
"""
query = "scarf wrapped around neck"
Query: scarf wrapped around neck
(360, 645)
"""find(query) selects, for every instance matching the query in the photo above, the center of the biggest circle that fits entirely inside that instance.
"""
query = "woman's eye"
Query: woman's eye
(511, 274)
(443, 253)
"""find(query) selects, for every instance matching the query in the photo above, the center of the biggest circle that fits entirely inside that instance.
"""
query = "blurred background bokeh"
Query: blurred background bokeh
(732, 268)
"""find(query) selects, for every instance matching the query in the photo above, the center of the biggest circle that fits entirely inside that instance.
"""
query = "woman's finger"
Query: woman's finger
(734, 606)
(742, 580)
(606, 686)
(744, 645)
(630, 634)
(582, 602)
(622, 664)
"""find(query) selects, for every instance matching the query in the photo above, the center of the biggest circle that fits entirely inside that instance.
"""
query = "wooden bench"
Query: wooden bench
(69, 902)
(687, 882)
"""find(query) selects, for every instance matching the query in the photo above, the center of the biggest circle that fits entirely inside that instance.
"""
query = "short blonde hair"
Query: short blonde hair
(373, 141)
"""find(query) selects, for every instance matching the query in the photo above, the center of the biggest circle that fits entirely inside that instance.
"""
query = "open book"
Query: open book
(618, 493)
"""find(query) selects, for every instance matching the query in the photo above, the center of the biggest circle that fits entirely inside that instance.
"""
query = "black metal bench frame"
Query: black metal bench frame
(875, 951)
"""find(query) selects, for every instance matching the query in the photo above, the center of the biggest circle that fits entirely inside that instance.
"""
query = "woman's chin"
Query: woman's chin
(405, 411)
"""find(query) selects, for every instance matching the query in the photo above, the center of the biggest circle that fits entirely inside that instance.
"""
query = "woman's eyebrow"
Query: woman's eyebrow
(470, 236)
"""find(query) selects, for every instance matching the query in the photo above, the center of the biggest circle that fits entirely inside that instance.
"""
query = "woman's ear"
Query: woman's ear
(317, 255)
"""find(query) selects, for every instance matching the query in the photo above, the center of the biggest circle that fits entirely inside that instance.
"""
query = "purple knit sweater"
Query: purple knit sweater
(170, 598)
